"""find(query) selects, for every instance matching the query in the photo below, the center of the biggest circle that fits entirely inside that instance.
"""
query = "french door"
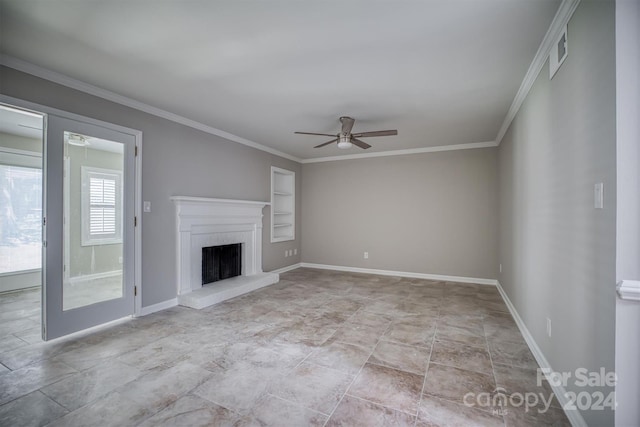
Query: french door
(88, 226)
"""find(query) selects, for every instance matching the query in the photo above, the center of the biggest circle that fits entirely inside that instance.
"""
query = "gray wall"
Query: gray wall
(433, 213)
(557, 251)
(177, 160)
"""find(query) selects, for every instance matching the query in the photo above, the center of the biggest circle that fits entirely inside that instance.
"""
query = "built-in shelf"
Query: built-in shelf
(283, 205)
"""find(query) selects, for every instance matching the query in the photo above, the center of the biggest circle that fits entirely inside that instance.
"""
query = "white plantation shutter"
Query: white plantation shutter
(102, 209)
(101, 206)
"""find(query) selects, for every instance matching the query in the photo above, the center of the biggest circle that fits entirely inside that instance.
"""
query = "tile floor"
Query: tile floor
(319, 348)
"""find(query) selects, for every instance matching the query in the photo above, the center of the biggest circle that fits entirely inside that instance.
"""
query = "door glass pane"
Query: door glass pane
(93, 220)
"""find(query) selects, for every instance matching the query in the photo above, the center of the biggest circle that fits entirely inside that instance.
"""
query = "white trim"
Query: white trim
(20, 158)
(88, 277)
(287, 268)
(436, 149)
(25, 279)
(34, 70)
(137, 230)
(12, 273)
(629, 290)
(438, 277)
(20, 152)
(575, 417)
(558, 25)
(208, 200)
(143, 311)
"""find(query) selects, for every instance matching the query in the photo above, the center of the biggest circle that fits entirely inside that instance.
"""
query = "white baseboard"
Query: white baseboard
(438, 277)
(23, 280)
(574, 416)
(287, 268)
(157, 307)
(90, 277)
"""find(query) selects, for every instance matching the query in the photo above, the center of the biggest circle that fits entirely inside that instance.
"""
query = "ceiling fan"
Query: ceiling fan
(346, 139)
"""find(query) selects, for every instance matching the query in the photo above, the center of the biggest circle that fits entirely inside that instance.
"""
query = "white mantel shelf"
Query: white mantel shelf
(203, 222)
(208, 200)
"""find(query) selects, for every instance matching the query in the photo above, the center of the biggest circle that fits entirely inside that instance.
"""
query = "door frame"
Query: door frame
(137, 134)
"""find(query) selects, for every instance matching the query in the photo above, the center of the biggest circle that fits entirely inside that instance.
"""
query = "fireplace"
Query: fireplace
(204, 223)
(221, 262)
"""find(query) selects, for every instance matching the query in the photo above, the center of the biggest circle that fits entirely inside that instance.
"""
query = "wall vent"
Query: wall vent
(558, 53)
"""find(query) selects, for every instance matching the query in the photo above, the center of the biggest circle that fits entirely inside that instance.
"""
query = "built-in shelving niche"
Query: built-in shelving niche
(283, 205)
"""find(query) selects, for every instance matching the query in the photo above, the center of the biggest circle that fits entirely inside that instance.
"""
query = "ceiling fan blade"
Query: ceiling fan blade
(376, 133)
(347, 124)
(326, 143)
(360, 144)
(311, 133)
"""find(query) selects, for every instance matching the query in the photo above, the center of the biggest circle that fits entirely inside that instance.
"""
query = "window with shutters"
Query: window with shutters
(101, 206)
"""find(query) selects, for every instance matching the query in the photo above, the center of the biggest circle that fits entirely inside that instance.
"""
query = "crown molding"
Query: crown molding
(436, 149)
(560, 21)
(61, 79)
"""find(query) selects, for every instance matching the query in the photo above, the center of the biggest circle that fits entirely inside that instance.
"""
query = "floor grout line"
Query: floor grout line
(357, 374)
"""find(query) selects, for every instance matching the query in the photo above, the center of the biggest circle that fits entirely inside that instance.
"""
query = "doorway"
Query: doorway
(78, 244)
(21, 184)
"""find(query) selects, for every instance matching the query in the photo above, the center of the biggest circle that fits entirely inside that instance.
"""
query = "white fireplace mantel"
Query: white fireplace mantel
(203, 222)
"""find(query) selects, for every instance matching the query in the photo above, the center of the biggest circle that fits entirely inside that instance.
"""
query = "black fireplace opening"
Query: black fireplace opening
(221, 262)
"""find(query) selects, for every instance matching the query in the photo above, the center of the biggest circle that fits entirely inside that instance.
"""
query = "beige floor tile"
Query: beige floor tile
(82, 388)
(453, 384)
(434, 412)
(25, 380)
(354, 412)
(400, 356)
(192, 411)
(348, 358)
(312, 386)
(463, 356)
(388, 387)
(34, 409)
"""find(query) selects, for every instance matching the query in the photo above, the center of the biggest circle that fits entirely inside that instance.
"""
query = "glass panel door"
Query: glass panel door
(89, 228)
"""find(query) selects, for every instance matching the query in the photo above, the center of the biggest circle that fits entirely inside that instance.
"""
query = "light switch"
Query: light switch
(146, 206)
(598, 195)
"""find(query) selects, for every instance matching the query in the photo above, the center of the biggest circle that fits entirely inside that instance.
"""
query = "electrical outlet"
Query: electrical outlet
(548, 327)
(286, 254)
(295, 251)
(366, 255)
(290, 252)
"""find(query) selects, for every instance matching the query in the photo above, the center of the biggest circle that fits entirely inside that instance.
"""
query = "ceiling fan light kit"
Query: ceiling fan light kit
(344, 142)
(346, 139)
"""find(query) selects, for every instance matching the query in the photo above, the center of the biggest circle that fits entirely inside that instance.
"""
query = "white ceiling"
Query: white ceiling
(442, 72)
